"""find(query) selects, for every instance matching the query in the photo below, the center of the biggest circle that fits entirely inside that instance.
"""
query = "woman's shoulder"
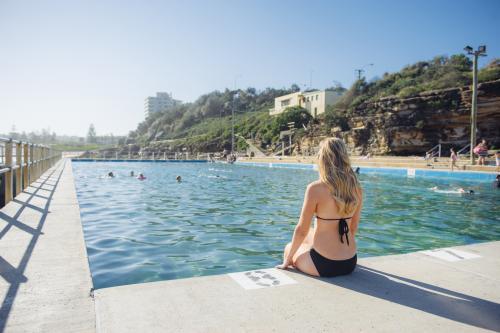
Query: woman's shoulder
(317, 186)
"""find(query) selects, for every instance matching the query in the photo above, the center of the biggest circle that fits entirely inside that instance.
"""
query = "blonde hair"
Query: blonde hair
(335, 172)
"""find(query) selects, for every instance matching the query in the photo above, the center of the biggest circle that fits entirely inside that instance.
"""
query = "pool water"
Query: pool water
(227, 218)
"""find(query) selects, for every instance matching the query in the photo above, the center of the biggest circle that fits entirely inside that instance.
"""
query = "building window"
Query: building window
(315, 112)
(285, 102)
(316, 97)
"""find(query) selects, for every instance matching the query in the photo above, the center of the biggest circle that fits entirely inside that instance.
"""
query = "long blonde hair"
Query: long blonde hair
(335, 171)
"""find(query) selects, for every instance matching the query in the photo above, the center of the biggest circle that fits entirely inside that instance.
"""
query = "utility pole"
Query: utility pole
(361, 71)
(481, 51)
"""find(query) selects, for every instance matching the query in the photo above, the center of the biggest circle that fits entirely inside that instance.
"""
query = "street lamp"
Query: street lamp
(481, 51)
(232, 113)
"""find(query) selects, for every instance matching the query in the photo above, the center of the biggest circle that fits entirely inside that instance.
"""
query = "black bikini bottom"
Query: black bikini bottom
(329, 268)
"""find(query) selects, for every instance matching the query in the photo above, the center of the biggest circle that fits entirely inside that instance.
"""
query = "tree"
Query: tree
(91, 134)
(296, 114)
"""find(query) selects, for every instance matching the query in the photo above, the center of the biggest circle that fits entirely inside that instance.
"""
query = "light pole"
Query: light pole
(232, 114)
(481, 51)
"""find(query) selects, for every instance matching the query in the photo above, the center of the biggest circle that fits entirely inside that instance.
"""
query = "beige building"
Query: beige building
(314, 101)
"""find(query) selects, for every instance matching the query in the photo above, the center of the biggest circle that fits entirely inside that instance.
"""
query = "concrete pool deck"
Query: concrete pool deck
(45, 285)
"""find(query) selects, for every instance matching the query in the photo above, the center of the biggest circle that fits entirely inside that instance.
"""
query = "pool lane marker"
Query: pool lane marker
(450, 255)
(261, 278)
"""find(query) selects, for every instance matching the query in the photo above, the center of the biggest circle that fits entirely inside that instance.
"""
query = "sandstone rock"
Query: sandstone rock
(414, 125)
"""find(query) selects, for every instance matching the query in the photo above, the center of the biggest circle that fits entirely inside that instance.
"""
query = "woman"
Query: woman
(481, 150)
(329, 249)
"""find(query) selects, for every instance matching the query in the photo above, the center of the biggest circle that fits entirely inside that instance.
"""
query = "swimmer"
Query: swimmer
(132, 174)
(457, 191)
(357, 170)
(141, 177)
(462, 191)
(179, 179)
(496, 183)
(111, 174)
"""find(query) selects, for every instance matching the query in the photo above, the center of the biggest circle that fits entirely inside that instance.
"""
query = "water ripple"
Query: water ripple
(232, 218)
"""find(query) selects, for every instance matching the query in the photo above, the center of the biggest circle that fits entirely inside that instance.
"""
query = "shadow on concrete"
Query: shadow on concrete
(421, 296)
(15, 275)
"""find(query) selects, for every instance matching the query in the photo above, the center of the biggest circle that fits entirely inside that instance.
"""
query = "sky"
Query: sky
(66, 64)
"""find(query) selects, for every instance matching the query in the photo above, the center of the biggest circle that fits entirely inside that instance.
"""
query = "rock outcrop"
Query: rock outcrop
(413, 125)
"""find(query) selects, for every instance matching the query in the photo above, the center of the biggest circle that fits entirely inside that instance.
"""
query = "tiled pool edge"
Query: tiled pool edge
(406, 172)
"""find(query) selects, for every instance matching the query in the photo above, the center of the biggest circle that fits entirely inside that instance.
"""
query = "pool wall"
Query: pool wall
(405, 172)
(134, 161)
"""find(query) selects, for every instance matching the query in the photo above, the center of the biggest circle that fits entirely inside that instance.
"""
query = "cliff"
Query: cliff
(413, 125)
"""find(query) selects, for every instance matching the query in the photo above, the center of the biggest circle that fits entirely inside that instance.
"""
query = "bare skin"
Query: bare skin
(324, 237)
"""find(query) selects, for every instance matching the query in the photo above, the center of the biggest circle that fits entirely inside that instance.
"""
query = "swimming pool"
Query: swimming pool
(226, 218)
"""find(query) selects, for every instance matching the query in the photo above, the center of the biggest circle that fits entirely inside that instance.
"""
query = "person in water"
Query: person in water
(131, 173)
(460, 190)
(141, 177)
(336, 198)
(179, 179)
(463, 191)
(111, 174)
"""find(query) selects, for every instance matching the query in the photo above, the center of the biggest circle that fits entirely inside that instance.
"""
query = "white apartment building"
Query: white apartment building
(313, 101)
(162, 101)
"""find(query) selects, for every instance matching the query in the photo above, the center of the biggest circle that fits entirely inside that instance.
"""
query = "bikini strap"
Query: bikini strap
(343, 230)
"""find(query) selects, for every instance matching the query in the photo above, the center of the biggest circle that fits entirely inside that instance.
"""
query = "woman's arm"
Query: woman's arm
(357, 213)
(302, 228)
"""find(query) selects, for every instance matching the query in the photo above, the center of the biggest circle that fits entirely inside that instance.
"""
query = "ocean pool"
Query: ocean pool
(226, 218)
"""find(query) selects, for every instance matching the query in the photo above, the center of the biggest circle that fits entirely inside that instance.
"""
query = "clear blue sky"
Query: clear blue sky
(65, 64)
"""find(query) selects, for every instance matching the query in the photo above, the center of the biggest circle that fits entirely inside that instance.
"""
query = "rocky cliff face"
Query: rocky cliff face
(414, 125)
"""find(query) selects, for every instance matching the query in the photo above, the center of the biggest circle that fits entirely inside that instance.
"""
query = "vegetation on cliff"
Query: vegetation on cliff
(205, 125)
(440, 73)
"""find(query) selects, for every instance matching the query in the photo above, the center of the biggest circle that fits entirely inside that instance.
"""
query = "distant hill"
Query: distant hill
(205, 125)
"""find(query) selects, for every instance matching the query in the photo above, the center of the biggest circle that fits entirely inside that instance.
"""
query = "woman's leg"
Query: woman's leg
(307, 241)
(303, 261)
(302, 258)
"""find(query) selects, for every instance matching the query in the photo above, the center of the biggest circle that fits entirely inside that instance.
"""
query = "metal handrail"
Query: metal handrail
(21, 164)
(464, 149)
(433, 151)
(22, 142)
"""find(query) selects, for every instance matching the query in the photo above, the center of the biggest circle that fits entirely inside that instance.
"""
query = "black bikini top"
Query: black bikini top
(343, 227)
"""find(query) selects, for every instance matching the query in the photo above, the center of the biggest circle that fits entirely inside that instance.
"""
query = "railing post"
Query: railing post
(37, 162)
(439, 150)
(8, 174)
(18, 170)
(25, 168)
(31, 165)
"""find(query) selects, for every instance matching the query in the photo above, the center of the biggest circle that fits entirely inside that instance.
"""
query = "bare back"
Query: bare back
(326, 238)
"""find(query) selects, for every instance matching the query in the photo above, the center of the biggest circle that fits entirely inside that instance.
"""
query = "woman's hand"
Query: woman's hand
(286, 263)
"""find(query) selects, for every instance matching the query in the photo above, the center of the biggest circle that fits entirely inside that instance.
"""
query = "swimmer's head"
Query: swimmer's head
(110, 174)
(178, 178)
